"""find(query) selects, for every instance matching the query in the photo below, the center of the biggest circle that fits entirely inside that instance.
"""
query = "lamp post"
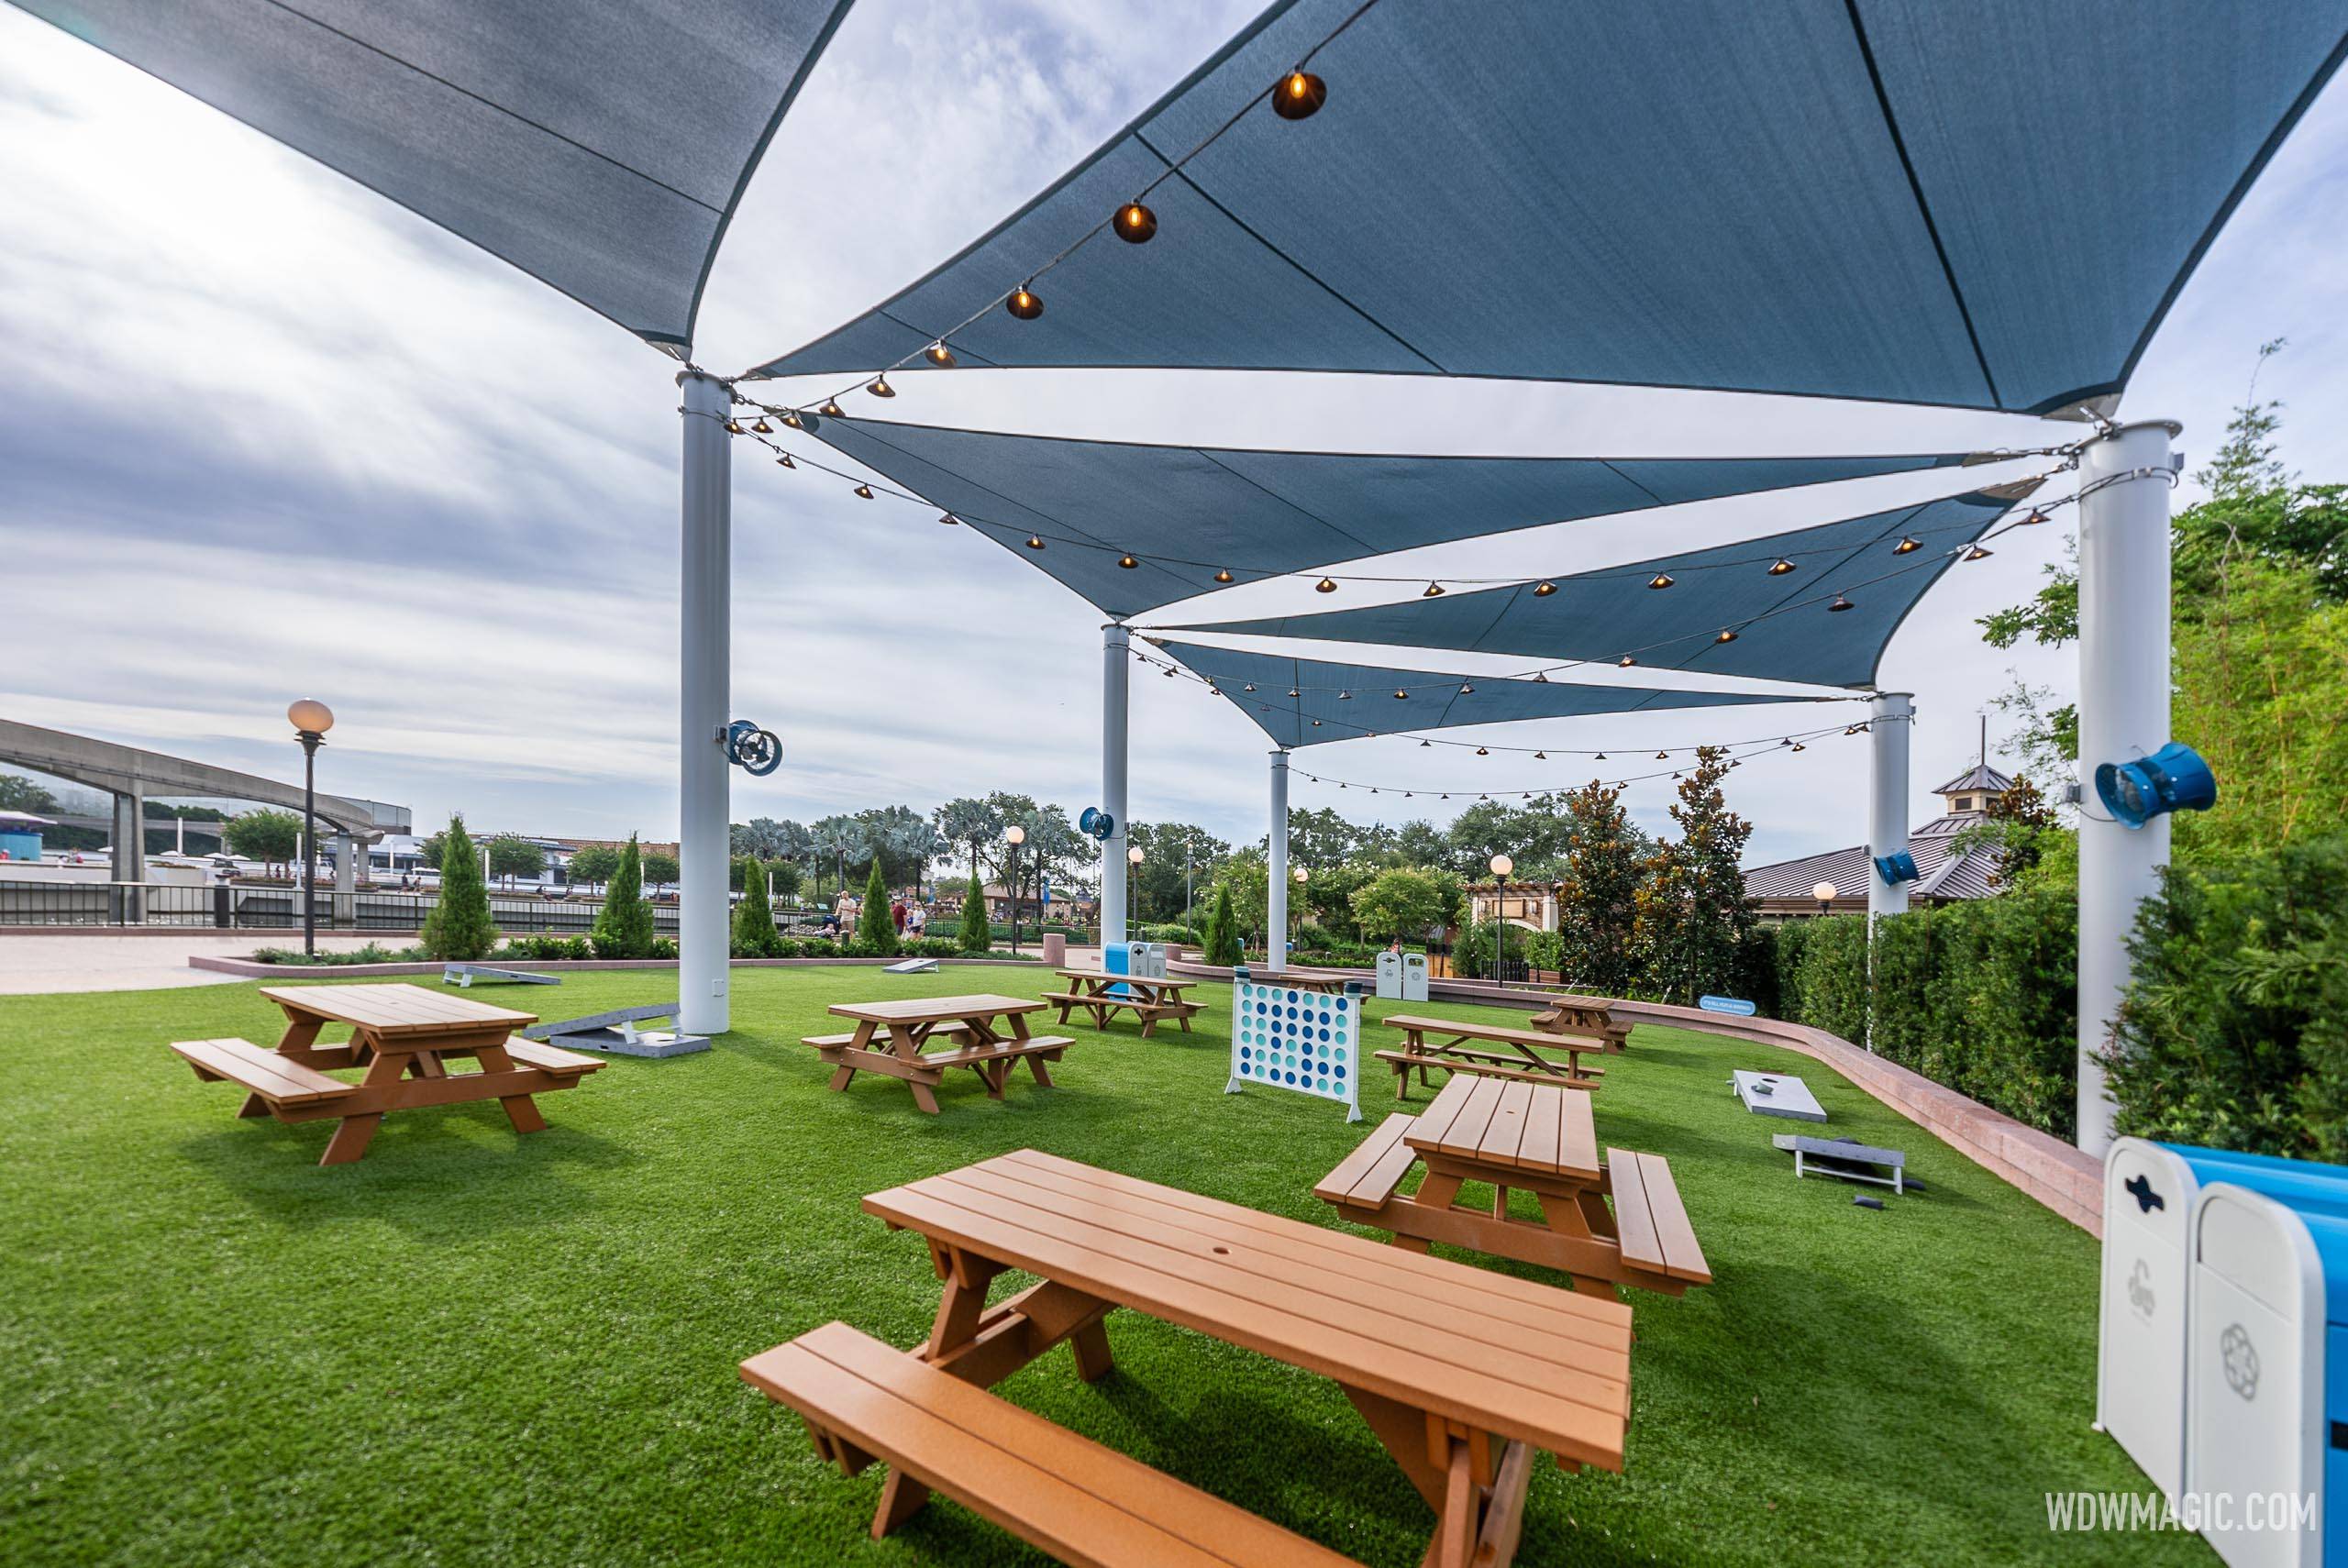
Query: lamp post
(1502, 866)
(1824, 894)
(1133, 885)
(311, 719)
(1014, 835)
(1303, 875)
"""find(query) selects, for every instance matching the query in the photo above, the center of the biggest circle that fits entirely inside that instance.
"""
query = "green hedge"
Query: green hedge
(1980, 996)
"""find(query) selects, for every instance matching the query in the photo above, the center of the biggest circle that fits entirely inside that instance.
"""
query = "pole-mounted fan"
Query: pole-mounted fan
(1097, 822)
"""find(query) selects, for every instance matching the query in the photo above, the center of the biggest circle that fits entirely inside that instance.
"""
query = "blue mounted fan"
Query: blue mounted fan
(755, 751)
(1097, 822)
(1897, 868)
(2173, 779)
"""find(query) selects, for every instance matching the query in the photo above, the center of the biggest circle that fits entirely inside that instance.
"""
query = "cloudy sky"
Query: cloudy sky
(263, 434)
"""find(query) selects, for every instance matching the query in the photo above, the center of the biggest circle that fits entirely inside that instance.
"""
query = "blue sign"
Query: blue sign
(1736, 1005)
(1045, 887)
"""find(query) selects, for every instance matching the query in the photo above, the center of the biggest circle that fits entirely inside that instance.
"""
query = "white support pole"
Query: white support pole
(1889, 726)
(2123, 714)
(1115, 660)
(1276, 888)
(705, 601)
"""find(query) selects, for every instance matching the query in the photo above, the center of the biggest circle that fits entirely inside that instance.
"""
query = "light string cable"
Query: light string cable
(1306, 93)
(1772, 746)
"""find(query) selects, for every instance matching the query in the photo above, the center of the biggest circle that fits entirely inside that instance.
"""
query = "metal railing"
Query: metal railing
(239, 906)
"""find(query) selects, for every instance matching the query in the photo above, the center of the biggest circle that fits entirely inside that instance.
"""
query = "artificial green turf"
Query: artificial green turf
(472, 1347)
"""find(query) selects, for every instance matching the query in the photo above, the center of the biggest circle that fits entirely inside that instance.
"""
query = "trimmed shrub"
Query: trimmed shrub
(974, 935)
(459, 926)
(1187, 935)
(624, 925)
(755, 935)
(546, 948)
(1222, 930)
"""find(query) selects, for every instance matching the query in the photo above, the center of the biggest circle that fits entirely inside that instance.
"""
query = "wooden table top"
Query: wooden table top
(1124, 979)
(393, 1009)
(1506, 1033)
(1546, 1128)
(936, 1010)
(1528, 1361)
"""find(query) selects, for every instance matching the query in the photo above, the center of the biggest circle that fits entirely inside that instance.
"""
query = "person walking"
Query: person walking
(897, 914)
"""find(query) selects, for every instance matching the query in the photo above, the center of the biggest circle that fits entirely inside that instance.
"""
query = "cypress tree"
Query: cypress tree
(459, 926)
(754, 933)
(976, 934)
(875, 930)
(624, 926)
(1222, 930)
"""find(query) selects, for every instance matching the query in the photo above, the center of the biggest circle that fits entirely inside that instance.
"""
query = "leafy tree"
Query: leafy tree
(1328, 897)
(836, 839)
(1420, 842)
(876, 928)
(968, 820)
(1167, 849)
(784, 875)
(459, 926)
(18, 793)
(662, 870)
(1400, 903)
(511, 856)
(624, 925)
(1598, 896)
(1318, 838)
(974, 935)
(1694, 925)
(594, 865)
(755, 935)
(1223, 945)
(273, 838)
(1247, 878)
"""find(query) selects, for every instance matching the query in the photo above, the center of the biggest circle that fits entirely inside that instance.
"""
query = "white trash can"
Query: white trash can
(1389, 976)
(1415, 977)
(2268, 1296)
(1146, 960)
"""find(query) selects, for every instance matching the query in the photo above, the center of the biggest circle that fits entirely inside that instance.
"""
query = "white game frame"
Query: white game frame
(1301, 1041)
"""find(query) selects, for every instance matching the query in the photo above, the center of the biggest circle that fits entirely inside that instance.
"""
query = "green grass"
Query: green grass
(472, 1347)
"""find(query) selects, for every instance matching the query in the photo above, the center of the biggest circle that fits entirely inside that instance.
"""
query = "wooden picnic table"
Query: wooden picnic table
(1328, 982)
(1583, 1015)
(1523, 1059)
(1097, 992)
(985, 1033)
(1536, 1138)
(403, 1037)
(1460, 1373)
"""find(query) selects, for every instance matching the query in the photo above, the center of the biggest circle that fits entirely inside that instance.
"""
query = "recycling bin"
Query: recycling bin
(1389, 976)
(2266, 1375)
(1146, 960)
(2150, 1191)
(1415, 977)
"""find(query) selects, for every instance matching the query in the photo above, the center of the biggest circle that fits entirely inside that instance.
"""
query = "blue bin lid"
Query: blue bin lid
(2298, 1184)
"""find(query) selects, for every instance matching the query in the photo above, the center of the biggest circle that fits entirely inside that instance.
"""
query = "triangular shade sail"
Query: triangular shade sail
(1184, 513)
(1351, 701)
(599, 147)
(1986, 205)
(1782, 625)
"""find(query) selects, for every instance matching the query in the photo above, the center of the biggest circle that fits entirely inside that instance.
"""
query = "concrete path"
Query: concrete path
(88, 962)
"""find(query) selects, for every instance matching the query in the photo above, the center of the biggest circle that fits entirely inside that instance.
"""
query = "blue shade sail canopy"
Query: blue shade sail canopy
(1185, 512)
(1784, 629)
(1984, 205)
(598, 145)
(1351, 701)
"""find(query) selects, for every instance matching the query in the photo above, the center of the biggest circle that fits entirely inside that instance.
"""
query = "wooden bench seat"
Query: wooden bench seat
(1489, 1065)
(1655, 1234)
(275, 1078)
(1048, 1046)
(1466, 1029)
(552, 1059)
(1367, 1178)
(865, 1401)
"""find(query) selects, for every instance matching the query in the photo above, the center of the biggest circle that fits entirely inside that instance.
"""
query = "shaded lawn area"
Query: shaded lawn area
(472, 1347)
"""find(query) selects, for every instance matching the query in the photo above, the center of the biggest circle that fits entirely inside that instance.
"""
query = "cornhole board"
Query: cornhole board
(616, 1034)
(1837, 1157)
(1776, 1094)
(913, 966)
(464, 974)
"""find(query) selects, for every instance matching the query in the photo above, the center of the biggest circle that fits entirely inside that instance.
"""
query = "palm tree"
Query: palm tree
(835, 838)
(968, 820)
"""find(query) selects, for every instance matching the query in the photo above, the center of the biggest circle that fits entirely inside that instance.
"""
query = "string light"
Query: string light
(1663, 757)
(2037, 515)
(1434, 590)
(948, 519)
(1481, 751)
(790, 417)
(784, 461)
(1400, 695)
(1543, 590)
(1467, 691)
(1841, 603)
(831, 409)
(1224, 575)
(1327, 585)
(1625, 662)
(1540, 757)
(732, 427)
(1907, 545)
(940, 356)
(1344, 696)
(763, 428)
(1978, 554)
(879, 387)
(1035, 542)
(1780, 567)
(1300, 95)
(1127, 562)
(1135, 224)
(1726, 635)
(1660, 580)
(1024, 303)
(1735, 753)
(864, 492)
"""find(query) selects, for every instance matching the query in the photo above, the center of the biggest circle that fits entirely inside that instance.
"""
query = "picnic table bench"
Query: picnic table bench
(1097, 992)
(1328, 982)
(403, 1037)
(1531, 1137)
(986, 1033)
(1522, 1060)
(1578, 1015)
(1461, 1374)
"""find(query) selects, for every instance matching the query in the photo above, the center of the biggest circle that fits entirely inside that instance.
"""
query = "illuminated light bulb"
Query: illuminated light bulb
(1543, 590)
(1907, 545)
(1135, 224)
(1663, 757)
(1625, 662)
(1798, 746)
(1978, 554)
(1223, 576)
(1726, 635)
(1324, 586)
(1035, 542)
(1127, 562)
(784, 461)
(762, 427)
(2036, 516)
(879, 387)
(1300, 95)
(1292, 692)
(1780, 567)
(1434, 590)
(1024, 303)
(1400, 695)
(790, 417)
(948, 519)
(831, 409)
(864, 492)
(732, 427)
(1316, 724)
(1840, 604)
(1481, 752)
(940, 356)
(1661, 579)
